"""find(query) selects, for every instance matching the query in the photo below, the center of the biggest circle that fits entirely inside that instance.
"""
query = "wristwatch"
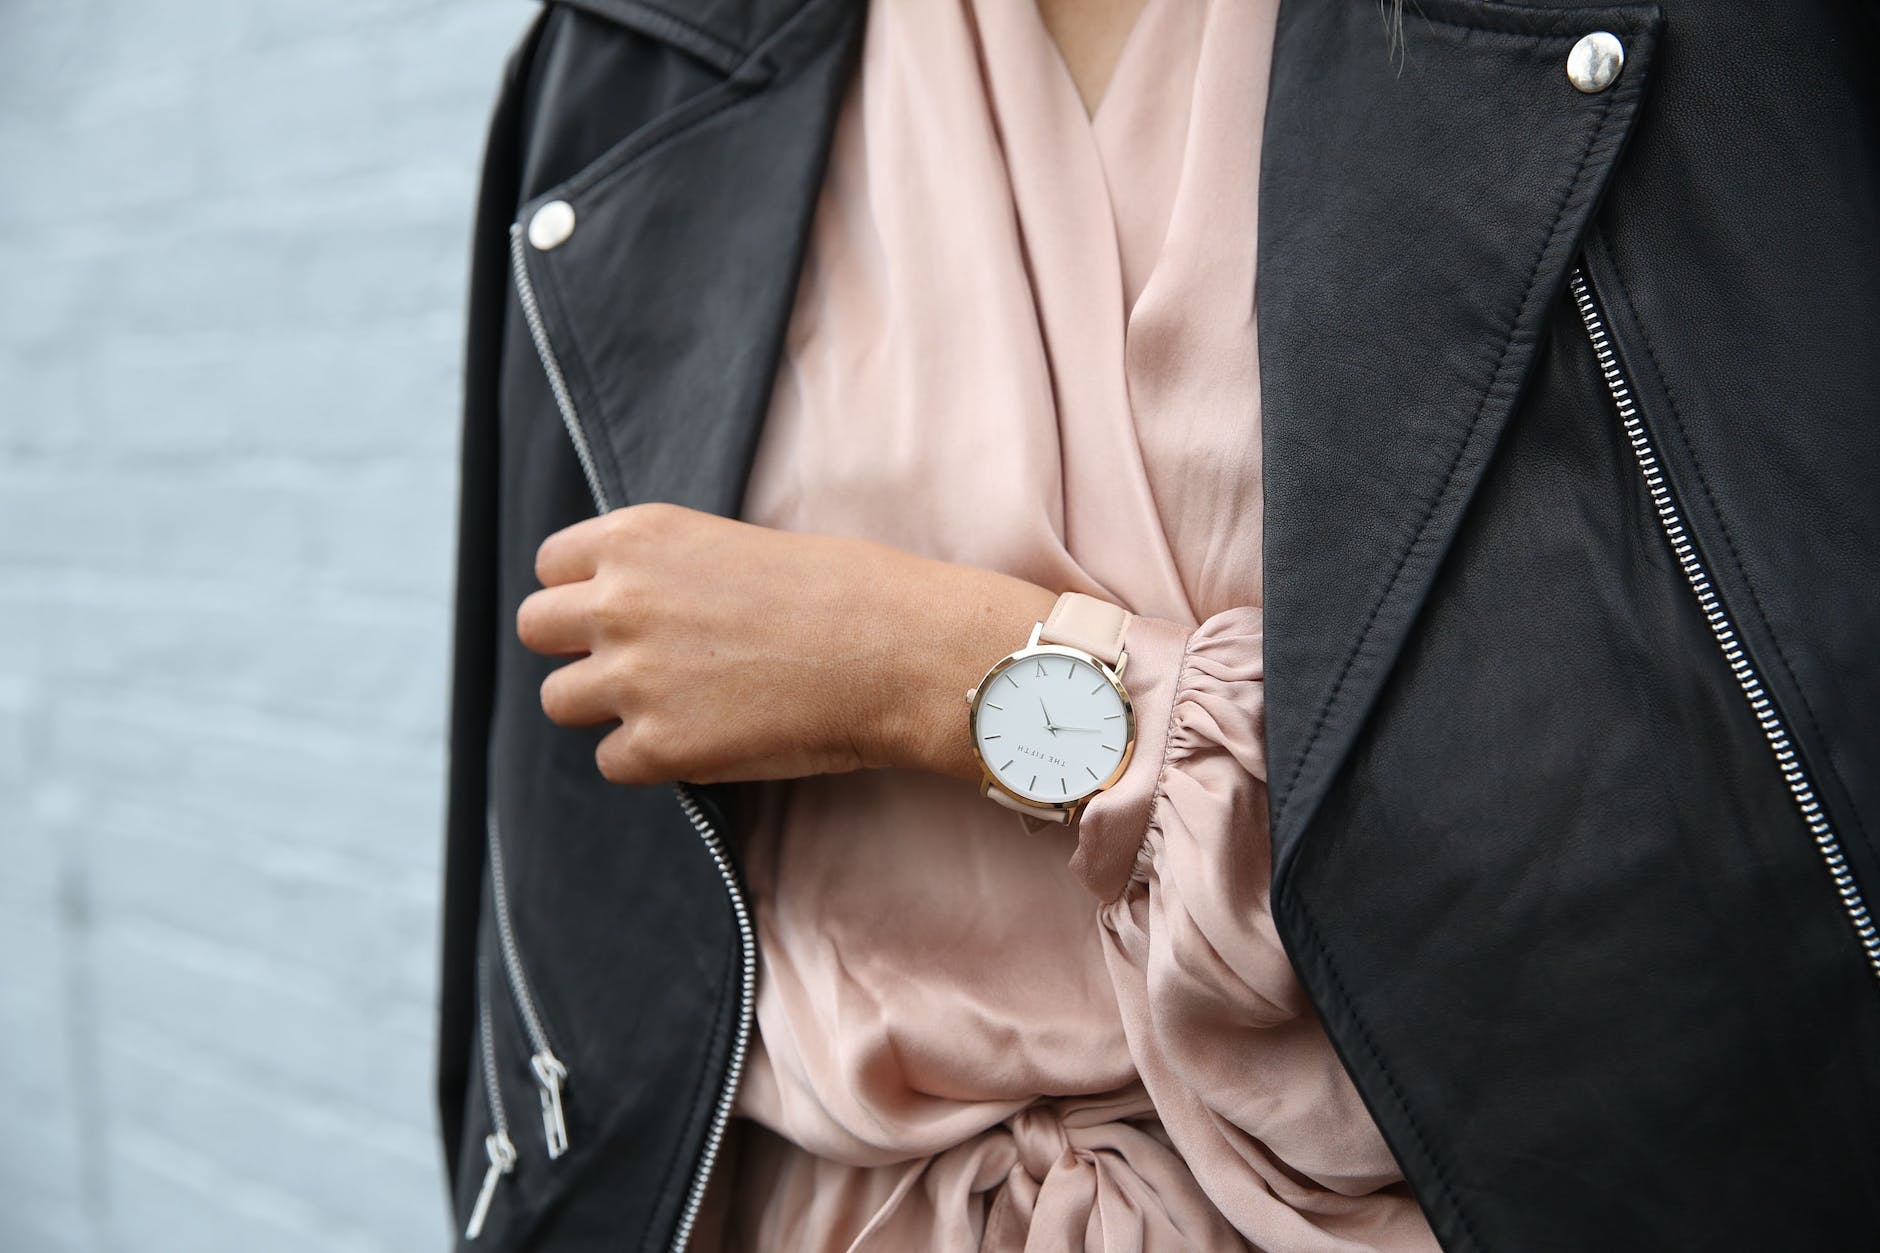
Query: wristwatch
(1051, 723)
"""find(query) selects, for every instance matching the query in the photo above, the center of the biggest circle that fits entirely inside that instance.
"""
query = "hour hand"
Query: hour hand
(1048, 724)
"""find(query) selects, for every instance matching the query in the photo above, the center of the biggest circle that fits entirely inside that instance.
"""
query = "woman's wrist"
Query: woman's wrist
(954, 626)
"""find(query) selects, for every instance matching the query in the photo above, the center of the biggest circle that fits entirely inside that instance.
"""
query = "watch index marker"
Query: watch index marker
(1008, 761)
(1090, 772)
(1033, 785)
(1096, 689)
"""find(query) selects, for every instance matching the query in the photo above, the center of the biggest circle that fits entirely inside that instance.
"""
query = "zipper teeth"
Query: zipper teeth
(747, 938)
(551, 364)
(512, 955)
(714, 844)
(1762, 705)
(497, 1146)
(499, 1117)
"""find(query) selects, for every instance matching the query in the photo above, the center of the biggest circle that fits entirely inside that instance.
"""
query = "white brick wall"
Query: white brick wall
(233, 244)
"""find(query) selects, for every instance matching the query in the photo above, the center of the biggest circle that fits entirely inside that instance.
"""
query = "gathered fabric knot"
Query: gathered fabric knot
(1039, 1134)
(1093, 1173)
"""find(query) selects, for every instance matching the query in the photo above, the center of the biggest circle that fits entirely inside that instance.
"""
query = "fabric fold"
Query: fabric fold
(1218, 1025)
(1112, 825)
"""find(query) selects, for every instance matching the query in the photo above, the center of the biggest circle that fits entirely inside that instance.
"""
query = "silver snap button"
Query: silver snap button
(1595, 62)
(552, 224)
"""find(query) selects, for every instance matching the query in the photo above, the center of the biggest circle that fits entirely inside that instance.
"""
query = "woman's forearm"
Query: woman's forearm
(958, 621)
(728, 651)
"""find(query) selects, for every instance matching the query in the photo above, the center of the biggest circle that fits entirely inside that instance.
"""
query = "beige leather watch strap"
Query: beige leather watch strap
(1035, 815)
(1081, 621)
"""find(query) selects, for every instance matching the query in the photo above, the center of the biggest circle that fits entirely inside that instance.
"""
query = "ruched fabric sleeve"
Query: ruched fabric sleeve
(1178, 856)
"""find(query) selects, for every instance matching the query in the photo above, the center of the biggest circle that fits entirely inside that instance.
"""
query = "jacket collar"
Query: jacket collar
(721, 33)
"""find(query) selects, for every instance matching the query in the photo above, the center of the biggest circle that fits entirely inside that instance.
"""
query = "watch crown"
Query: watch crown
(970, 693)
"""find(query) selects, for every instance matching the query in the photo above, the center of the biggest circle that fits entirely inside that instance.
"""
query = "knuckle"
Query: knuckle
(617, 760)
(555, 699)
(607, 761)
(529, 621)
(625, 520)
(642, 753)
(555, 551)
(626, 612)
(656, 517)
(609, 764)
(613, 607)
(649, 753)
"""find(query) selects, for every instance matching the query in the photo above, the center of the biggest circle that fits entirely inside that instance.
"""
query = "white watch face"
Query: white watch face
(1051, 726)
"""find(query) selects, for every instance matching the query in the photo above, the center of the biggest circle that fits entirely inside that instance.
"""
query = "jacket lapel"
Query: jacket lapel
(668, 302)
(1418, 218)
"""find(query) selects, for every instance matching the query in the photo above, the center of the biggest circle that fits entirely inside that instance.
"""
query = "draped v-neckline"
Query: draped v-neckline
(1023, 341)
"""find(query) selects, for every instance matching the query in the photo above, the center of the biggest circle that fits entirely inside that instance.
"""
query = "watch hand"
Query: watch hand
(1047, 718)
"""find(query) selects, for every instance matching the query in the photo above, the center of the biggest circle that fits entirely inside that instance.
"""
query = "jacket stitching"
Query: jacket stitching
(1723, 526)
(686, 24)
(722, 53)
(1512, 22)
(575, 372)
(453, 1089)
(638, 145)
(595, 184)
(739, 86)
(1364, 1036)
(1429, 512)
(1319, 948)
(577, 359)
(580, 1165)
(698, 1084)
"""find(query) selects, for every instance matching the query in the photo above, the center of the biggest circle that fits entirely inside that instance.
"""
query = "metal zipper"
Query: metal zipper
(747, 1007)
(551, 364)
(714, 843)
(497, 1146)
(1762, 705)
(550, 1074)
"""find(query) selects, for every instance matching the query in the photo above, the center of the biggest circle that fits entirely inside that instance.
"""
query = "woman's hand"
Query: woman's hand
(729, 651)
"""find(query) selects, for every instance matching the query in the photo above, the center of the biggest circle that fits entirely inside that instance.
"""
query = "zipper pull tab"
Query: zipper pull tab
(550, 1074)
(502, 1155)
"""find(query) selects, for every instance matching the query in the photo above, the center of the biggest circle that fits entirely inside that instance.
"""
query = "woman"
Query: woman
(1559, 933)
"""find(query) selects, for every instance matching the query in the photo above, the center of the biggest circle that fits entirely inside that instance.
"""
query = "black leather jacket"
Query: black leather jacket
(1571, 410)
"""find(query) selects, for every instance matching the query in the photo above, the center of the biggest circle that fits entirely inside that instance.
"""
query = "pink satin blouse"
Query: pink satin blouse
(1024, 340)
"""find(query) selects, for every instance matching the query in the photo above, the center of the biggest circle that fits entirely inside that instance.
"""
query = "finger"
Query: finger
(571, 554)
(620, 760)
(579, 694)
(556, 622)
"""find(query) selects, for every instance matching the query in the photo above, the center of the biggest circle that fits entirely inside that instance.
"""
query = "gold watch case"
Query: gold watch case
(1034, 649)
